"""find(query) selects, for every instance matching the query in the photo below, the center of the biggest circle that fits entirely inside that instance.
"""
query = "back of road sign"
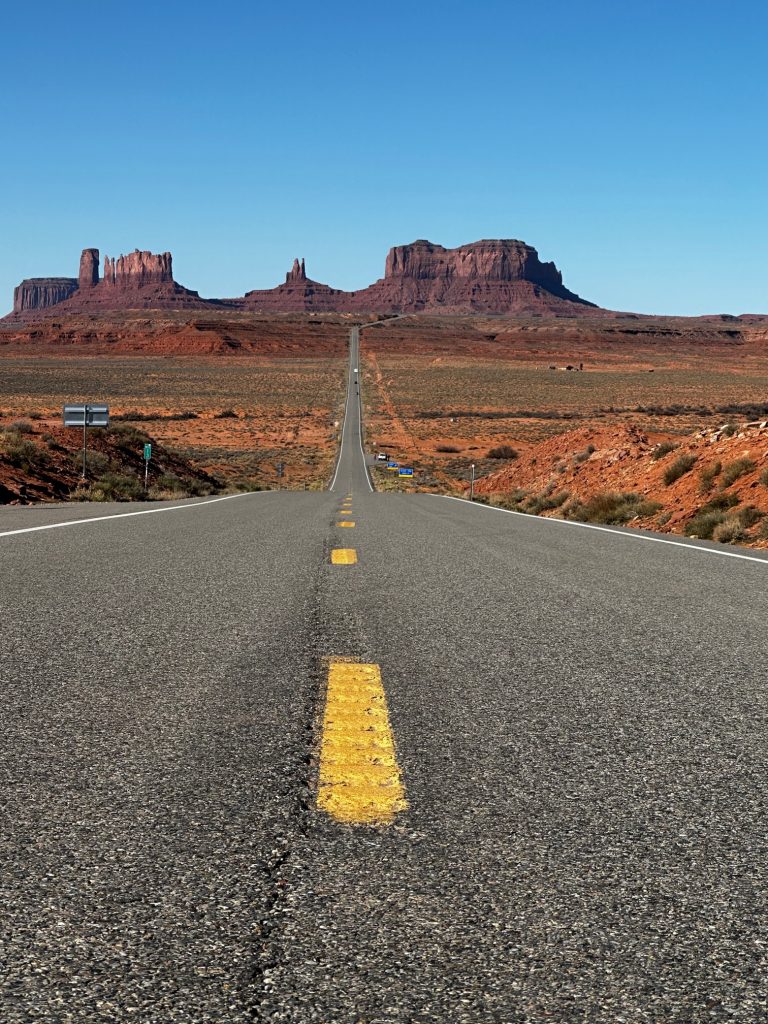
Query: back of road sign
(86, 415)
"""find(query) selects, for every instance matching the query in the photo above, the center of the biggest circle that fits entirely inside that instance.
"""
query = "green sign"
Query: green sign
(147, 452)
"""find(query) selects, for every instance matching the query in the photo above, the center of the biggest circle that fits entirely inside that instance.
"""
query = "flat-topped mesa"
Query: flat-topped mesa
(89, 268)
(502, 259)
(42, 292)
(138, 269)
(500, 275)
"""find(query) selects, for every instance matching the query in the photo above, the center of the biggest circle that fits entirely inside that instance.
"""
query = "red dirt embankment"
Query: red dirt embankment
(43, 462)
(709, 484)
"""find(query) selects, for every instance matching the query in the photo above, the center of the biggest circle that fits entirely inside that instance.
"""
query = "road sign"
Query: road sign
(86, 415)
(393, 465)
(405, 471)
(147, 452)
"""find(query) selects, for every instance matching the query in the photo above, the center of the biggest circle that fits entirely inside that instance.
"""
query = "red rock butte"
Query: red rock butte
(491, 276)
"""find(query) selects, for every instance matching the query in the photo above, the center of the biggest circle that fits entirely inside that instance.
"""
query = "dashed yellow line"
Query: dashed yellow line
(359, 780)
(344, 556)
(348, 522)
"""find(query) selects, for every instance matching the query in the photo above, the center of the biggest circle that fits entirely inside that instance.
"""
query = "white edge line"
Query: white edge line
(343, 425)
(360, 421)
(125, 515)
(607, 529)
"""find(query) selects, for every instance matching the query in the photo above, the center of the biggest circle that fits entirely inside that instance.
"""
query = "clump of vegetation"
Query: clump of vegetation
(728, 430)
(22, 453)
(733, 470)
(448, 449)
(503, 451)
(762, 533)
(703, 524)
(730, 531)
(764, 478)
(22, 427)
(512, 500)
(546, 501)
(663, 449)
(582, 456)
(226, 414)
(95, 462)
(749, 515)
(707, 476)
(720, 503)
(111, 487)
(683, 464)
(612, 508)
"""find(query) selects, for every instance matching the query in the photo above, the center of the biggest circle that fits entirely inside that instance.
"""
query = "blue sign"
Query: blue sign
(392, 465)
(405, 471)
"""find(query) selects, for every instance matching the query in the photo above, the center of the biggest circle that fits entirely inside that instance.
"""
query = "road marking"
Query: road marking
(359, 780)
(607, 529)
(127, 515)
(343, 556)
(347, 522)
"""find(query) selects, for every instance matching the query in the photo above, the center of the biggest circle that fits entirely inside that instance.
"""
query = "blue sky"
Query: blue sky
(625, 141)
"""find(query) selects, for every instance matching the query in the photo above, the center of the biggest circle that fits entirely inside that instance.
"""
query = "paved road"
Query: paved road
(580, 723)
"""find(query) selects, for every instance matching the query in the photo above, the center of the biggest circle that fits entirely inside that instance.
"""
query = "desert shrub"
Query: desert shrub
(683, 464)
(226, 414)
(545, 502)
(749, 515)
(125, 433)
(114, 487)
(503, 451)
(720, 503)
(95, 462)
(663, 519)
(762, 533)
(22, 427)
(582, 456)
(707, 476)
(729, 429)
(21, 453)
(663, 449)
(612, 508)
(512, 500)
(703, 524)
(447, 449)
(730, 531)
(764, 478)
(733, 470)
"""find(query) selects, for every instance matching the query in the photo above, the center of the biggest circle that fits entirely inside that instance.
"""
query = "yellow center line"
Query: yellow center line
(347, 522)
(359, 780)
(343, 556)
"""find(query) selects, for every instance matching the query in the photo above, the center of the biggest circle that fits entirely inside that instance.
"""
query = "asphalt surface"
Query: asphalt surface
(580, 720)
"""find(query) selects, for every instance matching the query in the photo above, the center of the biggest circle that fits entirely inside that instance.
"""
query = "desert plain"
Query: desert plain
(583, 418)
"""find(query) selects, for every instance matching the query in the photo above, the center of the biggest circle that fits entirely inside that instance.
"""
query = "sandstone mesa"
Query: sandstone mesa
(489, 276)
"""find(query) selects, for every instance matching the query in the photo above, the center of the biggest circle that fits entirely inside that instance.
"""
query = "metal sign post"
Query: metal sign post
(472, 483)
(86, 416)
(147, 457)
(280, 467)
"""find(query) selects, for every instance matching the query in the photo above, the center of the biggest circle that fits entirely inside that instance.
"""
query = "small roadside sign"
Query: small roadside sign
(405, 471)
(147, 452)
(393, 465)
(86, 415)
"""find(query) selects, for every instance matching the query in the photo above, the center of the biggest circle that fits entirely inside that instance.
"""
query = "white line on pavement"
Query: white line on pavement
(607, 529)
(125, 515)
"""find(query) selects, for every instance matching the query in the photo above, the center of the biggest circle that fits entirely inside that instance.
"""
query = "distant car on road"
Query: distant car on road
(381, 457)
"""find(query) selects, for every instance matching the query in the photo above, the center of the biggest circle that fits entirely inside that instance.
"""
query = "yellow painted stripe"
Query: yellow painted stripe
(343, 556)
(359, 780)
(346, 523)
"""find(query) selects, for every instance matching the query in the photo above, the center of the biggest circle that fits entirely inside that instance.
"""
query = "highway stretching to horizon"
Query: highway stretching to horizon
(352, 756)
